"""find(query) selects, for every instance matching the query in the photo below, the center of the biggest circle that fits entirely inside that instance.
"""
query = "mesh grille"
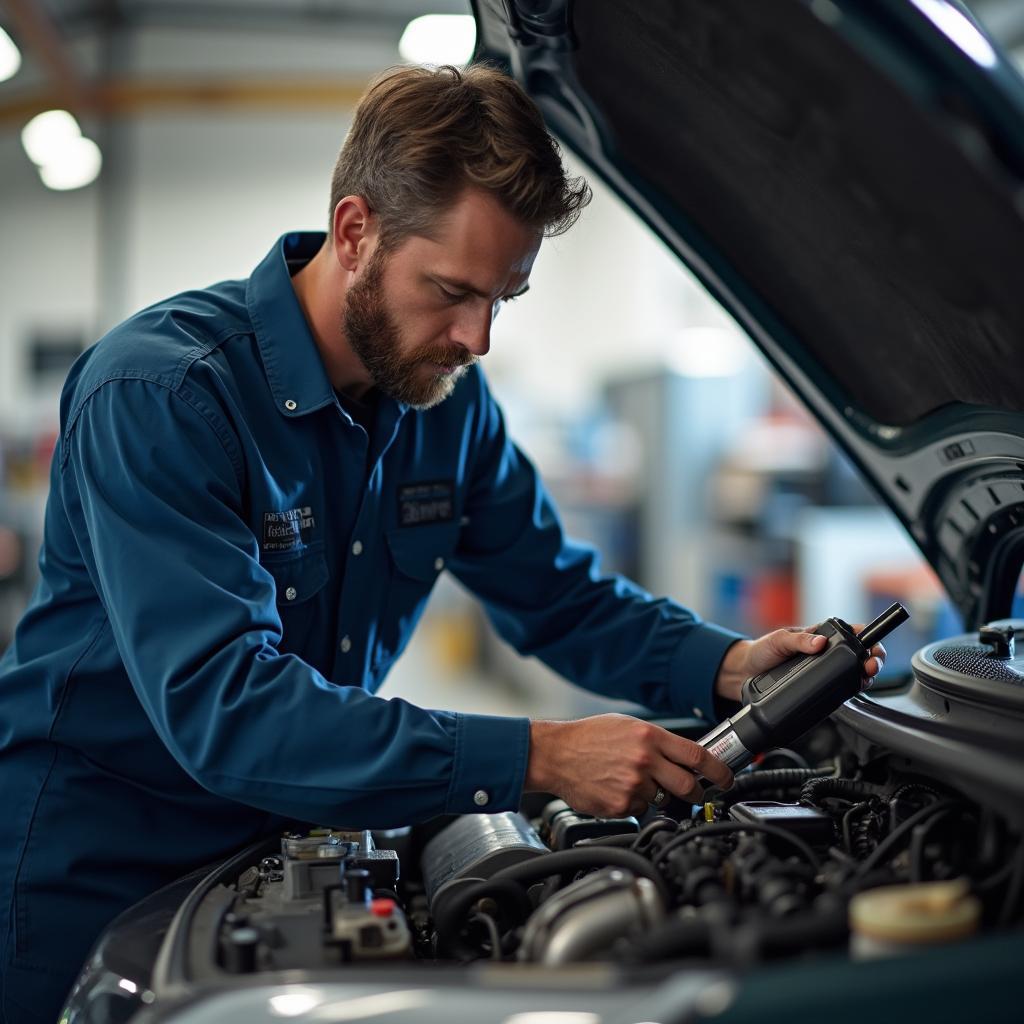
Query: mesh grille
(974, 660)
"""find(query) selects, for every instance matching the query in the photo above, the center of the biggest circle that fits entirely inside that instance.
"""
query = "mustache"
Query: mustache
(448, 357)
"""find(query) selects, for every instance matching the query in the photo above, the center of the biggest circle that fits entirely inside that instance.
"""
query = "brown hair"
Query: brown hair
(421, 135)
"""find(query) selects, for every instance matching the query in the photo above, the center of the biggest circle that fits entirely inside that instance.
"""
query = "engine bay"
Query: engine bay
(772, 867)
(891, 828)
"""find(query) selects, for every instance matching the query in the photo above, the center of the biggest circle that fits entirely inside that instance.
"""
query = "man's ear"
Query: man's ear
(354, 232)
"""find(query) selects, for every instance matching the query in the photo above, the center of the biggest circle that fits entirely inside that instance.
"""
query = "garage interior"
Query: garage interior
(217, 125)
(209, 128)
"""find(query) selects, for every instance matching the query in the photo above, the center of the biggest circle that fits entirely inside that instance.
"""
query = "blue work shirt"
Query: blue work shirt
(231, 565)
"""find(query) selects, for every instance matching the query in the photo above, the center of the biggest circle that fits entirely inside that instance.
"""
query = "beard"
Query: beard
(375, 338)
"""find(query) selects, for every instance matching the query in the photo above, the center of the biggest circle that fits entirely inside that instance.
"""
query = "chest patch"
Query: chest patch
(284, 531)
(428, 502)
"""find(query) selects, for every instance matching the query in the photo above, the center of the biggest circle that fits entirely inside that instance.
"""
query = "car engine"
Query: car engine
(774, 866)
(894, 826)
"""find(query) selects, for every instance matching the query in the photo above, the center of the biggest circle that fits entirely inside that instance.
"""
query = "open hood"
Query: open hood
(847, 178)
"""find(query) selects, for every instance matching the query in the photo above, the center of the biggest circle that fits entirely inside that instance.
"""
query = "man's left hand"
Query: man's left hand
(752, 657)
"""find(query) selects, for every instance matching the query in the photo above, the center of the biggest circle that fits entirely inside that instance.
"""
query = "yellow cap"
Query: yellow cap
(916, 914)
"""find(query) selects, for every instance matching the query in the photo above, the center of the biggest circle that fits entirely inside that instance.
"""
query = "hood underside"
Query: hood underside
(848, 180)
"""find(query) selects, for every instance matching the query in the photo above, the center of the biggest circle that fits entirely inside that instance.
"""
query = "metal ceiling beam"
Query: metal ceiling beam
(39, 33)
(135, 96)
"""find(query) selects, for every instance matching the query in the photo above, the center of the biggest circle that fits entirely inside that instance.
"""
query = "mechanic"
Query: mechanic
(255, 487)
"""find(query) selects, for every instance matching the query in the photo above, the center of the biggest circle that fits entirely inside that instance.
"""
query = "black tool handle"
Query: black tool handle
(880, 628)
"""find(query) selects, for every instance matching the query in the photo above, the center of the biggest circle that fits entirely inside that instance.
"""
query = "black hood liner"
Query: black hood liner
(893, 258)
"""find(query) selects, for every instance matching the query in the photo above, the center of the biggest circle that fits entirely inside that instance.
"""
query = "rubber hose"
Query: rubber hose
(771, 778)
(527, 872)
(849, 789)
(681, 937)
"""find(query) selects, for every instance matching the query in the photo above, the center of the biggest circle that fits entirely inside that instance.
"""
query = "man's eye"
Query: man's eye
(450, 296)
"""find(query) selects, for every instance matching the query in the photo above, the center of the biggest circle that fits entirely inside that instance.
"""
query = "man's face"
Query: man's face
(419, 315)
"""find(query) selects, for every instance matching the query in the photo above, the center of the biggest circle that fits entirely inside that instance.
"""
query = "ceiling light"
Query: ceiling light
(10, 57)
(47, 134)
(78, 165)
(439, 39)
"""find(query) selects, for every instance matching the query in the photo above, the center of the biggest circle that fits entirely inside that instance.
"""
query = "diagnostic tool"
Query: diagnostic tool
(783, 703)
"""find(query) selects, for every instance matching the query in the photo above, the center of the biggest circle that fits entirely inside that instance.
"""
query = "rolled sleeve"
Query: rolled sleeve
(490, 763)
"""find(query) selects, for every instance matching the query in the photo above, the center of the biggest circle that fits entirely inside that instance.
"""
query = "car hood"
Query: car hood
(847, 178)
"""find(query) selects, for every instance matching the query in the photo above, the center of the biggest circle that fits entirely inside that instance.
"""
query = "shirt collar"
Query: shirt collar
(295, 371)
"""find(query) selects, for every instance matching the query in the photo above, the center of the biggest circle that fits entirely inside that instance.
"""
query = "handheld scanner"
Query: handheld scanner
(785, 702)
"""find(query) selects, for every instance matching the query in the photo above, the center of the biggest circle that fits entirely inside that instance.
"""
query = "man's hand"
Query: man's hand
(613, 765)
(752, 657)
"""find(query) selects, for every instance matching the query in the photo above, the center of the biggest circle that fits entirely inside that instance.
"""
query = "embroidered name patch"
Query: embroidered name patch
(284, 531)
(423, 503)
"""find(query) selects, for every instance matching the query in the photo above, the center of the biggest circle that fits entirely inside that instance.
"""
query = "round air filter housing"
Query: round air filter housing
(981, 667)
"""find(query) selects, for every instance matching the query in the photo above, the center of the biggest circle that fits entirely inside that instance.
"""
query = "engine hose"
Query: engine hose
(694, 936)
(726, 827)
(623, 840)
(786, 754)
(918, 841)
(892, 841)
(815, 790)
(450, 919)
(772, 778)
(651, 829)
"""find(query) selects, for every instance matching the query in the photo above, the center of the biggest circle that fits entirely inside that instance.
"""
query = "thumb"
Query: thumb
(786, 643)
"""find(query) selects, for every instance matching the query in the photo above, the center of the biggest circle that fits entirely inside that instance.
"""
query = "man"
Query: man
(254, 489)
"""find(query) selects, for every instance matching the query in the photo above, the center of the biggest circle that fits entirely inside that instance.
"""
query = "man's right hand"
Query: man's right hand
(613, 765)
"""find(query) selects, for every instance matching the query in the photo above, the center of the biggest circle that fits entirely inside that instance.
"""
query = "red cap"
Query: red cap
(382, 907)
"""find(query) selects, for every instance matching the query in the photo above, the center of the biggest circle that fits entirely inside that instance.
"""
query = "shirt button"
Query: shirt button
(291, 593)
(357, 548)
(481, 797)
(697, 713)
(291, 405)
(346, 645)
(438, 564)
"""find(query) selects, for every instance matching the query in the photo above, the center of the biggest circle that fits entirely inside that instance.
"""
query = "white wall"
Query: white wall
(186, 200)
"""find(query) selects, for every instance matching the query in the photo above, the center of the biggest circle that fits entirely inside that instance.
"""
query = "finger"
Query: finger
(696, 759)
(784, 643)
(679, 782)
(658, 788)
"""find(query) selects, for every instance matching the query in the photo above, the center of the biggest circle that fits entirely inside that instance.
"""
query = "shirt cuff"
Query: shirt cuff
(694, 669)
(490, 764)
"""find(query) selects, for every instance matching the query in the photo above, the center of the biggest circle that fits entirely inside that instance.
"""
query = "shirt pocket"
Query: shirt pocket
(299, 580)
(418, 555)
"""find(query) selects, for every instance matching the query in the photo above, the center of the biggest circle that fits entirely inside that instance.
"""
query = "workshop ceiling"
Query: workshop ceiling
(111, 57)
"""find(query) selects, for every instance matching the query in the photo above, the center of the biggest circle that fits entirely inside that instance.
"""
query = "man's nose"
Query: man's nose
(473, 332)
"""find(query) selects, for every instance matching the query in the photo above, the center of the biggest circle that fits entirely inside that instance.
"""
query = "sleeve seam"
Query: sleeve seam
(219, 431)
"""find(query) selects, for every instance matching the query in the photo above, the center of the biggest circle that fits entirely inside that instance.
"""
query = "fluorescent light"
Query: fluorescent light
(960, 29)
(65, 158)
(439, 39)
(77, 165)
(10, 57)
(47, 134)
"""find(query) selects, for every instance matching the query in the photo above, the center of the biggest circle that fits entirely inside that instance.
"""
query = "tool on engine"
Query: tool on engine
(783, 703)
